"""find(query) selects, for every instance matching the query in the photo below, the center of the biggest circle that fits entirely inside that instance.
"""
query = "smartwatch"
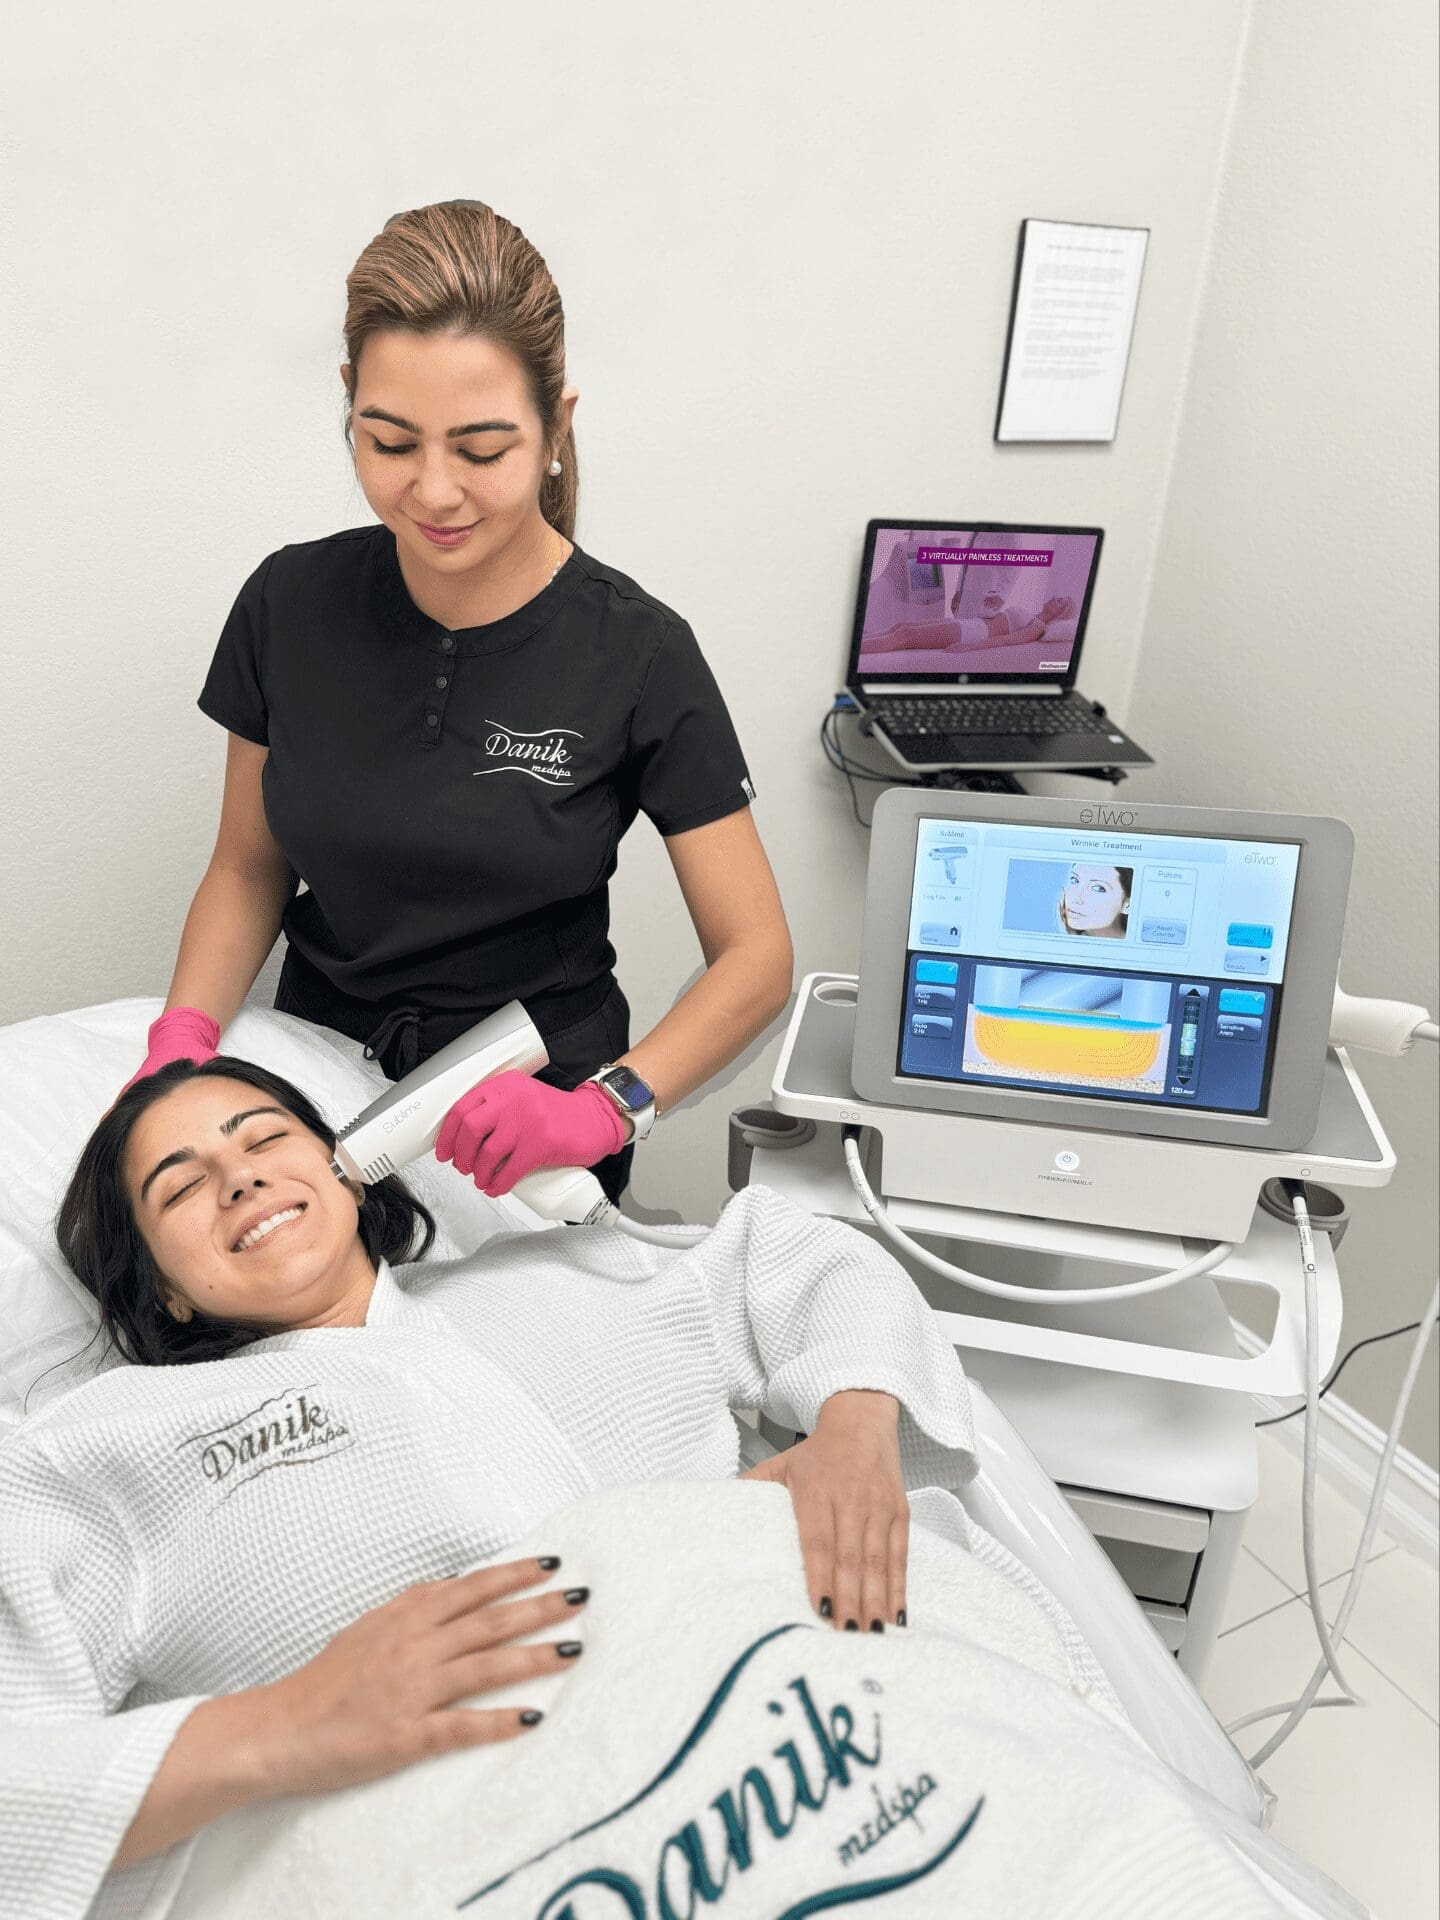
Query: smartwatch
(630, 1094)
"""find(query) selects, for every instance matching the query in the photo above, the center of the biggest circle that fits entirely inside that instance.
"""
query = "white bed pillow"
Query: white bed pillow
(58, 1073)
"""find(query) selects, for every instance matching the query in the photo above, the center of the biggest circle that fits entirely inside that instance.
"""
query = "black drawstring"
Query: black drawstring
(404, 1021)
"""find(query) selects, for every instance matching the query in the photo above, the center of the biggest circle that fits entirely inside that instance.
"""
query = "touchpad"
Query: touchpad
(996, 746)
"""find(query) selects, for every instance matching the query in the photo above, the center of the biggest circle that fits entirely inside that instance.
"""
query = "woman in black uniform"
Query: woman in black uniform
(441, 726)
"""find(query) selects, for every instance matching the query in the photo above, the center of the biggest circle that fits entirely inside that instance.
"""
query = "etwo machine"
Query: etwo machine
(1087, 1043)
(1082, 1040)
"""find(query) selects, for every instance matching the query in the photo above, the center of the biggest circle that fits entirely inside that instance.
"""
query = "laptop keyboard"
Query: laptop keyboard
(938, 716)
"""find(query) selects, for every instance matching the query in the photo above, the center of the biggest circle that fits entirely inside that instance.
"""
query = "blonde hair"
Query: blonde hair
(460, 266)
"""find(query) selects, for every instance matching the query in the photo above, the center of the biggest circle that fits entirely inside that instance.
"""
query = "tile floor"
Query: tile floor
(1358, 1787)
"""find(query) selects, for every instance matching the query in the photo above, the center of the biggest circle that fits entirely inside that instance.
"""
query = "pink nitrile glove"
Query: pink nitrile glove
(509, 1126)
(184, 1033)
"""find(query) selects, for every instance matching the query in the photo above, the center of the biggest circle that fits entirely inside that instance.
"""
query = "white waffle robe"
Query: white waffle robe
(167, 1534)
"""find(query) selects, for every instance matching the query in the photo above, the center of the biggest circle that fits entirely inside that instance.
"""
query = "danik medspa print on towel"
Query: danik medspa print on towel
(786, 1778)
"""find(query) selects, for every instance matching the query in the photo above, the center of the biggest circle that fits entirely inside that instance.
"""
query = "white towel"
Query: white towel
(718, 1749)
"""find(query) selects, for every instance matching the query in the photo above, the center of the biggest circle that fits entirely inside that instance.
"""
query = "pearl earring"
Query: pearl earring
(555, 469)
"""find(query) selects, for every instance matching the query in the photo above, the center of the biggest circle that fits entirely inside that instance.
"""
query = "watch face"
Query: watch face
(630, 1087)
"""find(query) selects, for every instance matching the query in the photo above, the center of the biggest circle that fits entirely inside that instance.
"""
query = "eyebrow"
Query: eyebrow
(181, 1154)
(454, 433)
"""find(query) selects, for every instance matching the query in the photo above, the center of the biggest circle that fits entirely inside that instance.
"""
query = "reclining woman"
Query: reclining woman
(186, 1629)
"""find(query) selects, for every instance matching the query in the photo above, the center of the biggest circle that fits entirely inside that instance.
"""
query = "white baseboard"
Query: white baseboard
(1347, 1458)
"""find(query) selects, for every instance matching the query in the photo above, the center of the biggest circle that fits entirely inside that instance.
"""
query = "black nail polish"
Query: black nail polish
(825, 1608)
(877, 1626)
(577, 1596)
(549, 1562)
(531, 1717)
(568, 1649)
(852, 1626)
(900, 1619)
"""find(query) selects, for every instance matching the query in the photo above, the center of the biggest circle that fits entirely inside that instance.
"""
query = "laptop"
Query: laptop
(966, 645)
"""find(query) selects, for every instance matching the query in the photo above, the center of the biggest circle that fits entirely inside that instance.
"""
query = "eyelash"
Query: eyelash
(475, 459)
(190, 1185)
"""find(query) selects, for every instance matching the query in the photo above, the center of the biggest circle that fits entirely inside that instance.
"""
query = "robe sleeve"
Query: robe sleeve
(74, 1767)
(806, 1307)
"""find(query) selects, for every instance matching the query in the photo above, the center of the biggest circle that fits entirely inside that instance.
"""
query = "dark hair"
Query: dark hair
(98, 1235)
(459, 266)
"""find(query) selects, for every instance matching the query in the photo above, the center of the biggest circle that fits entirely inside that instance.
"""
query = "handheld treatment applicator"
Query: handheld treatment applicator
(404, 1122)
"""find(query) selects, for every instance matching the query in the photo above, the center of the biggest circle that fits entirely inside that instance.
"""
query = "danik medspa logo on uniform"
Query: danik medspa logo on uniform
(541, 752)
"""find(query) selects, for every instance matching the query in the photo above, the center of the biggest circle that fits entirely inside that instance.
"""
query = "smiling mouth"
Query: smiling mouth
(445, 533)
(257, 1235)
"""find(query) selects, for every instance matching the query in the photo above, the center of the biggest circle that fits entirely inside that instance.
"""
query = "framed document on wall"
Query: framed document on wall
(1072, 315)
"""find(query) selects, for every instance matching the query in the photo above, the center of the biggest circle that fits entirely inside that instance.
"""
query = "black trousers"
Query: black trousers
(581, 1031)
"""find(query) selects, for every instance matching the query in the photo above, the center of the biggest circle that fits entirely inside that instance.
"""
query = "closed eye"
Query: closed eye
(475, 459)
(199, 1180)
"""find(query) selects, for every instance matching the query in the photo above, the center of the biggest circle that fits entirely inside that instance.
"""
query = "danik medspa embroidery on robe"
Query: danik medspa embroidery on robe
(542, 753)
(290, 1429)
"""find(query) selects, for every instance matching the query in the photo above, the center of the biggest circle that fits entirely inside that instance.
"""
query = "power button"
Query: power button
(1067, 1161)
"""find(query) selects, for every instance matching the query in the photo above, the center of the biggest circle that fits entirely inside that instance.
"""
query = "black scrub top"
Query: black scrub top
(453, 800)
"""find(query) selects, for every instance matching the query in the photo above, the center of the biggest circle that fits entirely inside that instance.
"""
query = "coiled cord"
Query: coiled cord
(1004, 1289)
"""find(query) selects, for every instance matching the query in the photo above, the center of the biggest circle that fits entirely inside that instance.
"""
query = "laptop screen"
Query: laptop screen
(971, 603)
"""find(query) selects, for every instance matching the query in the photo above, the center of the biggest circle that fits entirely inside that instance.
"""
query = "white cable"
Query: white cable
(1272, 1713)
(1300, 1707)
(1004, 1290)
(1312, 1435)
(1383, 1026)
(658, 1235)
(573, 1197)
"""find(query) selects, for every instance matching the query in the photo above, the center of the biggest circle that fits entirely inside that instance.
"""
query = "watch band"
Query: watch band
(641, 1114)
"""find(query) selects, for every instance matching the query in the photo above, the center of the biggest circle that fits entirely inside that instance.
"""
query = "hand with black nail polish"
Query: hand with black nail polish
(848, 1493)
(387, 1690)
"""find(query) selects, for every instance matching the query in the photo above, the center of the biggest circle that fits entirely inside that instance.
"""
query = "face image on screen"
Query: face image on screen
(949, 602)
(1087, 899)
(1140, 967)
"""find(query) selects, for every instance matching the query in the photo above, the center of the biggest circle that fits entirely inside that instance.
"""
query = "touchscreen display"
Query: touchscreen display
(1143, 967)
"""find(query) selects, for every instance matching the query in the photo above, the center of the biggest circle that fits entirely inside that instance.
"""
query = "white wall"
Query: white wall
(785, 238)
(1288, 655)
